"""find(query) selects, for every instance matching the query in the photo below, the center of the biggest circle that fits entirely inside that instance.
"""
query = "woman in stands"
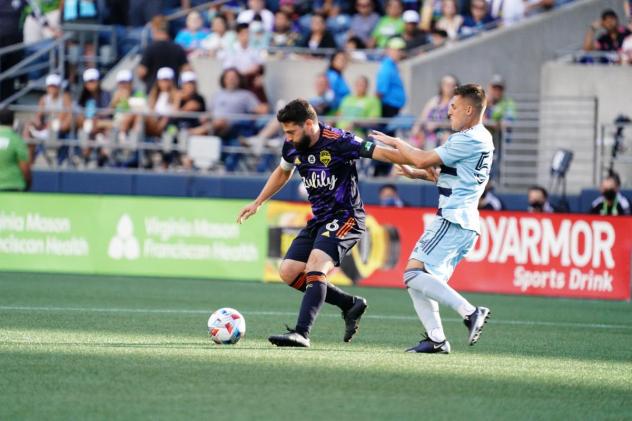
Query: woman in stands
(92, 121)
(220, 38)
(53, 119)
(337, 83)
(432, 128)
(163, 101)
(450, 20)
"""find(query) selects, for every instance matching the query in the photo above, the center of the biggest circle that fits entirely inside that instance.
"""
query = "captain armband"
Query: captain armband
(367, 148)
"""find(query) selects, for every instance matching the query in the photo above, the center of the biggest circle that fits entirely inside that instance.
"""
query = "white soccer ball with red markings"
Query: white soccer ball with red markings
(226, 326)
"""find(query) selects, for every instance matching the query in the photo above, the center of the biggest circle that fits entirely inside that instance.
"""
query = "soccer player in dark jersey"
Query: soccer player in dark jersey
(325, 158)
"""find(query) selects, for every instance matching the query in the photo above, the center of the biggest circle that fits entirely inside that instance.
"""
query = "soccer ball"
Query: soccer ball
(226, 326)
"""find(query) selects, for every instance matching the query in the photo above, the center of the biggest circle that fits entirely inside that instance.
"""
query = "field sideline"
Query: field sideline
(82, 347)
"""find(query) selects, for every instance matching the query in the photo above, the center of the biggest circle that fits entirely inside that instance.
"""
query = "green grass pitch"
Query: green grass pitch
(81, 347)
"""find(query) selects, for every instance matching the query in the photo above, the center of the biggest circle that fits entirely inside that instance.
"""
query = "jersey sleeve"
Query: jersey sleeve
(286, 162)
(353, 147)
(455, 149)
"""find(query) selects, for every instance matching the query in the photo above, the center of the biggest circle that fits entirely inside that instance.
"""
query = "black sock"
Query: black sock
(313, 300)
(335, 296)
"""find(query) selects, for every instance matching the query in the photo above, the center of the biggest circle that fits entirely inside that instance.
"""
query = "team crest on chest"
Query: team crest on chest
(297, 161)
(311, 159)
(325, 157)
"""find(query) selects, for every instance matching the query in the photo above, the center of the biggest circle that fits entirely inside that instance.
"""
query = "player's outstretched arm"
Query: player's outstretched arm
(276, 181)
(411, 155)
(428, 174)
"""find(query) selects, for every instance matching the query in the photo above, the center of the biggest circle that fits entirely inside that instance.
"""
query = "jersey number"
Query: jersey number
(483, 166)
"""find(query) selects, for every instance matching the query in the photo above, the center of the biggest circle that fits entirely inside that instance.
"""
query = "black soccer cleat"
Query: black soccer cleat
(352, 317)
(428, 346)
(475, 323)
(291, 339)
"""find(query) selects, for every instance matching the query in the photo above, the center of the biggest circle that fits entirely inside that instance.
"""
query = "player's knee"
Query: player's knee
(319, 261)
(288, 272)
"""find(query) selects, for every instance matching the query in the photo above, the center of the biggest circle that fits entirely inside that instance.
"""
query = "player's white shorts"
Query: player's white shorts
(442, 246)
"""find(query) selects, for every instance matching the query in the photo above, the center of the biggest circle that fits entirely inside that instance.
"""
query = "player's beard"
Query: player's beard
(303, 143)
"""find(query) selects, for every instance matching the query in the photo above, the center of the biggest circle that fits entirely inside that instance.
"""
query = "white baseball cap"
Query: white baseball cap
(53, 80)
(410, 16)
(165, 73)
(124, 76)
(91, 75)
(188, 76)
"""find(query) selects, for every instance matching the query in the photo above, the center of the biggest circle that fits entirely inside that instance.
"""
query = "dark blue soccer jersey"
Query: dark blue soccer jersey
(329, 173)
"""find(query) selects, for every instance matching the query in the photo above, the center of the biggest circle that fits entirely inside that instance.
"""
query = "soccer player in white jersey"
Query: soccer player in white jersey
(465, 161)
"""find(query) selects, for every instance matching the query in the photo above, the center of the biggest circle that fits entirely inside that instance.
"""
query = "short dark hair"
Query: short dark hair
(614, 177)
(6, 117)
(222, 81)
(540, 189)
(609, 13)
(297, 111)
(474, 93)
(241, 26)
(388, 186)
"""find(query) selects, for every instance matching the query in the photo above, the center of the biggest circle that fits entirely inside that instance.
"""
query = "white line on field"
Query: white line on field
(286, 313)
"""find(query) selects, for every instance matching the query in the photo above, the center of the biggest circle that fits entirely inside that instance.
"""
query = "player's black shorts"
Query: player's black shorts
(335, 237)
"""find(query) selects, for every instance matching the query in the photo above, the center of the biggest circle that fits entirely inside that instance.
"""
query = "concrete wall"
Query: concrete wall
(611, 86)
(285, 79)
(517, 53)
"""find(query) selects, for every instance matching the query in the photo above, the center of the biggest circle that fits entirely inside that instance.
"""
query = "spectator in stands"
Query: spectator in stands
(220, 39)
(164, 100)
(92, 120)
(233, 99)
(247, 60)
(538, 199)
(191, 37)
(364, 21)
(354, 47)
(257, 8)
(477, 20)
(388, 26)
(259, 38)
(190, 102)
(432, 128)
(54, 116)
(390, 90)
(611, 202)
(162, 52)
(450, 20)
(500, 111)
(42, 20)
(10, 33)
(412, 35)
(325, 97)
(318, 37)
(284, 35)
(438, 38)
(141, 12)
(430, 14)
(389, 196)
(612, 37)
(337, 64)
(123, 121)
(359, 105)
(15, 163)
(488, 200)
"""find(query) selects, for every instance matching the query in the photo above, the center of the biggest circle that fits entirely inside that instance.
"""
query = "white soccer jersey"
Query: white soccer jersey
(467, 160)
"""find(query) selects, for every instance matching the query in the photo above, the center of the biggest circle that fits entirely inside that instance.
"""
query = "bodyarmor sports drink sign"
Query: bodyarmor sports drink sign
(129, 236)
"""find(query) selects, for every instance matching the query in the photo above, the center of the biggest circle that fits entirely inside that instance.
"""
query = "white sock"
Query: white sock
(428, 313)
(439, 291)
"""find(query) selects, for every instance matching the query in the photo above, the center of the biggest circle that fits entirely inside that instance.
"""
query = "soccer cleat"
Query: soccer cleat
(428, 346)
(475, 323)
(352, 317)
(291, 339)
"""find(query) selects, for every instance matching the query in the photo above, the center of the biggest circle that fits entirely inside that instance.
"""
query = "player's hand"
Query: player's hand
(405, 171)
(386, 139)
(431, 174)
(247, 212)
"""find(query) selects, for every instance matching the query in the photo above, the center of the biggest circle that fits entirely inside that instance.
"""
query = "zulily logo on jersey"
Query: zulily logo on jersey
(320, 180)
